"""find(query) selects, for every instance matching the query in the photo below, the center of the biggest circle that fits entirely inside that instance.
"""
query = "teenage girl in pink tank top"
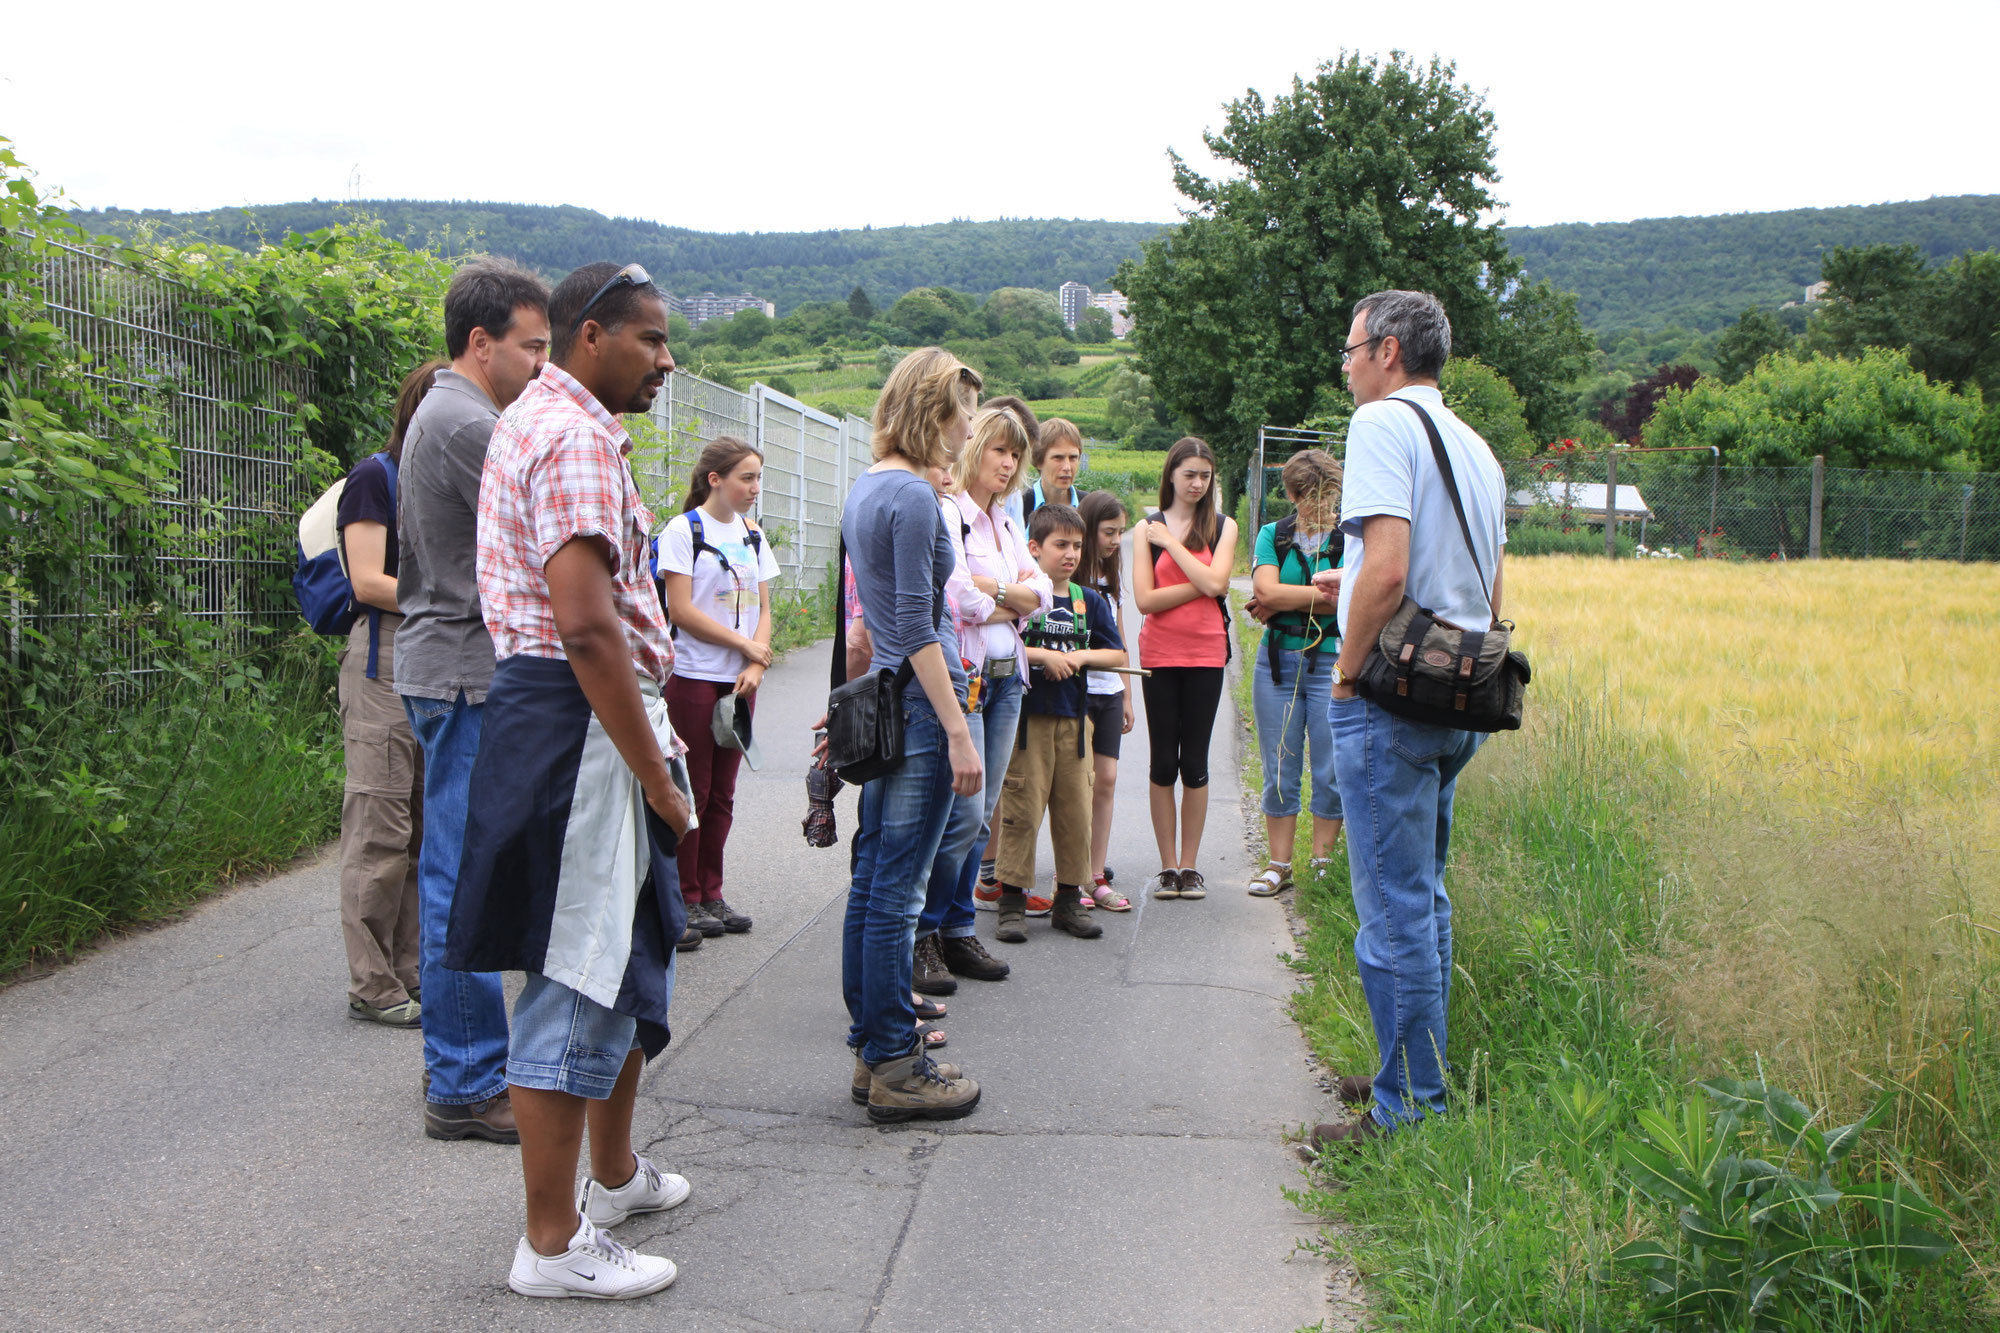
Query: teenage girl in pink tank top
(1184, 642)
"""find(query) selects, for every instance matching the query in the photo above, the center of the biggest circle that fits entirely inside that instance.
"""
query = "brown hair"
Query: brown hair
(1099, 508)
(1054, 431)
(1206, 526)
(720, 457)
(1049, 519)
(1024, 414)
(1313, 473)
(924, 392)
(995, 427)
(416, 385)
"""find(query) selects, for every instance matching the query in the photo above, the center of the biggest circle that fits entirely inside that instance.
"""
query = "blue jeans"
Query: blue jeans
(948, 909)
(1292, 719)
(903, 817)
(465, 1013)
(1397, 779)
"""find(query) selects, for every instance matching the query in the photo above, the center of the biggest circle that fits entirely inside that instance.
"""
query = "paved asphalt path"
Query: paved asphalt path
(197, 1136)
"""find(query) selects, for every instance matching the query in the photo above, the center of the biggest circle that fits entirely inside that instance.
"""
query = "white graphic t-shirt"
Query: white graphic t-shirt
(726, 593)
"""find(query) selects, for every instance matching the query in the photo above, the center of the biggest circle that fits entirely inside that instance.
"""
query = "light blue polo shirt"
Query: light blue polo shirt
(1390, 470)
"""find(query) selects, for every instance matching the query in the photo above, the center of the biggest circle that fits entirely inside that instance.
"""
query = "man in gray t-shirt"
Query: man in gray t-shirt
(496, 326)
(1397, 777)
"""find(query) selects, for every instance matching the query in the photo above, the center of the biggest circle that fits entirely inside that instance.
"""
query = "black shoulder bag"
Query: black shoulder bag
(1430, 670)
(864, 716)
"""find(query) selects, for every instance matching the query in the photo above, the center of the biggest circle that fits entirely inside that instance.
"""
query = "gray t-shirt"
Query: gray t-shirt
(442, 646)
(901, 556)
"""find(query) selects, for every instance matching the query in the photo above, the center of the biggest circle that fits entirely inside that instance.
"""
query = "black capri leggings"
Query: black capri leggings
(1180, 714)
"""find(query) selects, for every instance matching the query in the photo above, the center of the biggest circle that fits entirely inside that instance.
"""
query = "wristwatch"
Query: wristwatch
(1340, 677)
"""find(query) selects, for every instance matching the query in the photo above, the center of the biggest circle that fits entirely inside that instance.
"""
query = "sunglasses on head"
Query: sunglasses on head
(635, 274)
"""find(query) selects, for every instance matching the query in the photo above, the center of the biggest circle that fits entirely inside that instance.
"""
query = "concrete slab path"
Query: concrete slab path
(196, 1135)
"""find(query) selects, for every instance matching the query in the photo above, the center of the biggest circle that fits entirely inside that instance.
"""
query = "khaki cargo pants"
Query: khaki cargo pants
(1047, 773)
(381, 825)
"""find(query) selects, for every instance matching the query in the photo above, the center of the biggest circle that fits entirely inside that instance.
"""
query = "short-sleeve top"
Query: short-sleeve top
(1297, 569)
(727, 577)
(1192, 634)
(1057, 628)
(556, 470)
(365, 499)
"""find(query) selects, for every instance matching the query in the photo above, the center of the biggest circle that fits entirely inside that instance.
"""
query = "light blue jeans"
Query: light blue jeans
(1292, 723)
(1397, 779)
(902, 821)
(948, 909)
(465, 1013)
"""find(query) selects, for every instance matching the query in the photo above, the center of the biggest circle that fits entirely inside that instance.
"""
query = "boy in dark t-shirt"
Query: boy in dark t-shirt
(1051, 765)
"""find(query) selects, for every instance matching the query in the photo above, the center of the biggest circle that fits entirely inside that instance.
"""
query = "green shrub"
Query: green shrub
(1540, 539)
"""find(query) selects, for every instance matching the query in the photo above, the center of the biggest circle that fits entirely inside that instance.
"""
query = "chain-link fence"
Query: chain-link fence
(1692, 505)
(237, 487)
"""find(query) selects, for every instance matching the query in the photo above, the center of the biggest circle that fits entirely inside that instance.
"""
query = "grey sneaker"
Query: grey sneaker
(1167, 884)
(914, 1087)
(1192, 884)
(408, 1014)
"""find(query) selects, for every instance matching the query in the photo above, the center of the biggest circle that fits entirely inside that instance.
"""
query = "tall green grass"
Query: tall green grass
(1570, 901)
(118, 808)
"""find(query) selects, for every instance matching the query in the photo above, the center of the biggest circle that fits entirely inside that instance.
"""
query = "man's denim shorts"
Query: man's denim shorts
(566, 1042)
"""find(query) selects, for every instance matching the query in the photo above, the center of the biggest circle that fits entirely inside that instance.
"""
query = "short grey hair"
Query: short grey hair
(1416, 320)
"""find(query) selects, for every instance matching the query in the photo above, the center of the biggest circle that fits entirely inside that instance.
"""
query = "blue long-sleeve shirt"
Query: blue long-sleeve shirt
(901, 555)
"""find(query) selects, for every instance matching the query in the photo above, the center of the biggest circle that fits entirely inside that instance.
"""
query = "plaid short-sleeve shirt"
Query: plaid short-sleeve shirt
(556, 470)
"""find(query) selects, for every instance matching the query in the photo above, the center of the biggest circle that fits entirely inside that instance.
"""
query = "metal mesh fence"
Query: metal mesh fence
(237, 487)
(1690, 505)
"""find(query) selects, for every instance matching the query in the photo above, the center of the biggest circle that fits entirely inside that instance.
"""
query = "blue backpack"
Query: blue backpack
(319, 576)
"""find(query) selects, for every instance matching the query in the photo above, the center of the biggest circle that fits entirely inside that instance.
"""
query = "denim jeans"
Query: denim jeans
(902, 821)
(1292, 721)
(1397, 779)
(948, 909)
(465, 1013)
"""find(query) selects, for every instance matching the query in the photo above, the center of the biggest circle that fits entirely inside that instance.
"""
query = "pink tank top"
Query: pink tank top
(1193, 634)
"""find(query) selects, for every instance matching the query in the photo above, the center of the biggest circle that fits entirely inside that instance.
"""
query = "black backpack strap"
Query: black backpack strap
(838, 671)
(1457, 505)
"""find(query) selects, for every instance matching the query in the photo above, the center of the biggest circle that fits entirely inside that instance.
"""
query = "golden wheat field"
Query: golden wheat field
(1830, 734)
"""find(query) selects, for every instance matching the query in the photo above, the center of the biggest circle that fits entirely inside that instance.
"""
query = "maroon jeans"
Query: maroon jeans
(712, 772)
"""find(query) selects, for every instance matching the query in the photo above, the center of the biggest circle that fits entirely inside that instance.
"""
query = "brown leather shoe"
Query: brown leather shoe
(492, 1120)
(1355, 1089)
(1348, 1134)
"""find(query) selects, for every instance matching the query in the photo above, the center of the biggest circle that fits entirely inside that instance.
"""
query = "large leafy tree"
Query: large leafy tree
(1372, 174)
(1948, 317)
(1755, 335)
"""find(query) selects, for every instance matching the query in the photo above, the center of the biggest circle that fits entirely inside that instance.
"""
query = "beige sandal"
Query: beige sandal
(1273, 880)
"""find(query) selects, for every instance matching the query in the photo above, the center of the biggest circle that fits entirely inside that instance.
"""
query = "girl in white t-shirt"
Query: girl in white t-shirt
(717, 569)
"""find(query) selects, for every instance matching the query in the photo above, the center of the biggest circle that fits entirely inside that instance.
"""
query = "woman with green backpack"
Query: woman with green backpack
(1292, 678)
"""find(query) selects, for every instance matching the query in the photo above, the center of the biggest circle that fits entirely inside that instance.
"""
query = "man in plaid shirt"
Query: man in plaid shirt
(569, 872)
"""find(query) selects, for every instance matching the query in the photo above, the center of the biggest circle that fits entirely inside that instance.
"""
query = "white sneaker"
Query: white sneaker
(594, 1265)
(650, 1190)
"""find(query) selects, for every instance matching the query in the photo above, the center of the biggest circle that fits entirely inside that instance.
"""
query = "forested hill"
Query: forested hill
(1703, 272)
(785, 267)
(1700, 272)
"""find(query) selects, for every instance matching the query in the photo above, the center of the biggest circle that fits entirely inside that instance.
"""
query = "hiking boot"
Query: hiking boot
(408, 1014)
(733, 921)
(492, 1120)
(913, 1087)
(966, 956)
(1013, 917)
(690, 938)
(1354, 1089)
(650, 1190)
(593, 1266)
(700, 919)
(932, 976)
(1069, 914)
(1350, 1134)
(863, 1079)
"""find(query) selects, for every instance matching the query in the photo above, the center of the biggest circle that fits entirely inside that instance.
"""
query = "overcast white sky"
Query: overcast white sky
(785, 117)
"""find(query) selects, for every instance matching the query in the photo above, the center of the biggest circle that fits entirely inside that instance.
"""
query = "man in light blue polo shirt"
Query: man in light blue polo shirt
(1397, 777)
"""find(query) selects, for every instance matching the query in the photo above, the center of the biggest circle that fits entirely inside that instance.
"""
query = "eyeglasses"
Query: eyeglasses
(633, 273)
(1347, 352)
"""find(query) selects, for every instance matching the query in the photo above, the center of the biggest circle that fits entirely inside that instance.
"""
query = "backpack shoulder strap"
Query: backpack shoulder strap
(753, 535)
(1457, 505)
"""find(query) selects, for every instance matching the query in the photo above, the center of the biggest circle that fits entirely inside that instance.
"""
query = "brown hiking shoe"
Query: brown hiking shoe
(863, 1079)
(913, 1087)
(1069, 915)
(1354, 1089)
(492, 1120)
(967, 957)
(1349, 1134)
(932, 976)
(1013, 927)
